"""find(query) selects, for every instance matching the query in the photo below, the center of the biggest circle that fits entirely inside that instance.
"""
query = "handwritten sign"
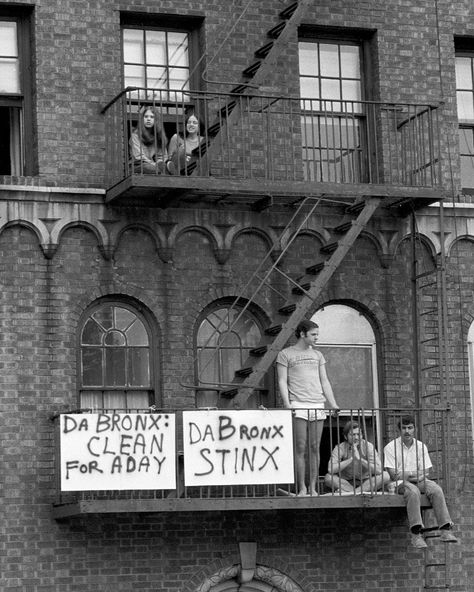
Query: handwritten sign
(237, 447)
(117, 451)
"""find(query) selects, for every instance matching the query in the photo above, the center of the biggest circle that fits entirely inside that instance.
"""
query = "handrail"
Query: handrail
(263, 95)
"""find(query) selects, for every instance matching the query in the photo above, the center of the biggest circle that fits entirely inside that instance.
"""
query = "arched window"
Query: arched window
(347, 341)
(115, 359)
(226, 333)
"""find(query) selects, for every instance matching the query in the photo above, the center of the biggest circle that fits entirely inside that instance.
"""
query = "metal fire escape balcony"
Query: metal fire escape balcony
(280, 148)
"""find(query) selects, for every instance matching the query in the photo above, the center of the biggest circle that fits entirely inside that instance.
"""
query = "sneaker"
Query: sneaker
(160, 167)
(447, 537)
(418, 541)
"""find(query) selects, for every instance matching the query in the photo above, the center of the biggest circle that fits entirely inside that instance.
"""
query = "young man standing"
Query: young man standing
(305, 388)
(407, 460)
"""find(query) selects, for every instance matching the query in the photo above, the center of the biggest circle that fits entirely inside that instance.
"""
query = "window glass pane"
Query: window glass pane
(9, 75)
(156, 77)
(92, 333)
(8, 39)
(115, 366)
(91, 400)
(156, 47)
(343, 324)
(133, 46)
(137, 400)
(115, 400)
(465, 105)
(230, 361)
(208, 366)
(330, 89)
(466, 144)
(136, 334)
(115, 338)
(123, 318)
(309, 88)
(92, 366)
(350, 61)
(350, 372)
(329, 56)
(351, 90)
(178, 49)
(229, 339)
(139, 367)
(308, 58)
(248, 331)
(134, 76)
(207, 335)
(464, 73)
(467, 171)
(178, 78)
(105, 317)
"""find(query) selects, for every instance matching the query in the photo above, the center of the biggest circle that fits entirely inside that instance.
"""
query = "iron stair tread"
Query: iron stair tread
(263, 51)
(244, 371)
(239, 89)
(275, 31)
(301, 288)
(252, 69)
(329, 247)
(342, 228)
(356, 207)
(289, 11)
(273, 329)
(227, 109)
(259, 350)
(315, 268)
(287, 309)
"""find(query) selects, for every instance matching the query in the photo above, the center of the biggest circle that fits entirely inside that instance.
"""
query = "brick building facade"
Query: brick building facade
(81, 235)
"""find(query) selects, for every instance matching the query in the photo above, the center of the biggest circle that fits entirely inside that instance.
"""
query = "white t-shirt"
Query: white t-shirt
(304, 383)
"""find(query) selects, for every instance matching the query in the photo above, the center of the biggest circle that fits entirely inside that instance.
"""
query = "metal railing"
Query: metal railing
(282, 138)
(377, 427)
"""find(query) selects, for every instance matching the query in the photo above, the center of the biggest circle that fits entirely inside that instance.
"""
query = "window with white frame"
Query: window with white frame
(116, 362)
(16, 138)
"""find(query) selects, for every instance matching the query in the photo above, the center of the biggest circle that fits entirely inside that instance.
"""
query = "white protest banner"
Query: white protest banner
(238, 447)
(109, 451)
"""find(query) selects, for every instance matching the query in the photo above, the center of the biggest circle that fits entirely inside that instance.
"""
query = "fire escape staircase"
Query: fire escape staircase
(253, 77)
(248, 378)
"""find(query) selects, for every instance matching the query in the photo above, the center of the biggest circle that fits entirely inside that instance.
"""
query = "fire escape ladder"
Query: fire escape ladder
(430, 333)
(253, 77)
(305, 291)
(437, 556)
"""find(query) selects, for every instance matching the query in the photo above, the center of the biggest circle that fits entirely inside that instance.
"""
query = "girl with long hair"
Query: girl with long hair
(148, 143)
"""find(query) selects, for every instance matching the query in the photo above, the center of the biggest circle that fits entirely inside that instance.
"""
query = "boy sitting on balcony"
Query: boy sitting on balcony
(355, 466)
(407, 460)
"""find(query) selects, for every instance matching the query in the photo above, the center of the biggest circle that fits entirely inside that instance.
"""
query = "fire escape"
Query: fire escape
(239, 163)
